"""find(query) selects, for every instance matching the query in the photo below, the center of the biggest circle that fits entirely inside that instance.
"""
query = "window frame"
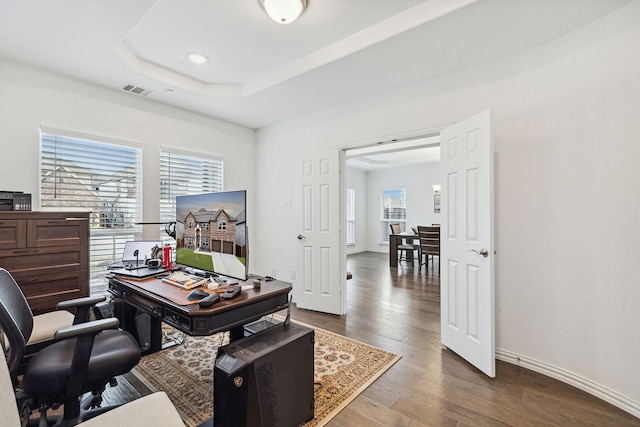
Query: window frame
(102, 166)
(170, 188)
(350, 207)
(385, 220)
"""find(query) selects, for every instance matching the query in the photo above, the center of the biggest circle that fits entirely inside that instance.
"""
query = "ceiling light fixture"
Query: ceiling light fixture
(284, 11)
(197, 58)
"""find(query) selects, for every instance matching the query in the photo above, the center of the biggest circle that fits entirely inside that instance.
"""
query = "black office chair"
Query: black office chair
(86, 357)
(157, 409)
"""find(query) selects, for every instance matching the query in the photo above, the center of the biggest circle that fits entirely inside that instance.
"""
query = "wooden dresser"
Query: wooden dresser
(48, 255)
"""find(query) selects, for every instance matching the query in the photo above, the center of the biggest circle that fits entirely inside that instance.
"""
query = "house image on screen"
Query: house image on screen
(214, 231)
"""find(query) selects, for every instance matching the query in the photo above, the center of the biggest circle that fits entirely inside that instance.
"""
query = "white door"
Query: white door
(321, 275)
(466, 265)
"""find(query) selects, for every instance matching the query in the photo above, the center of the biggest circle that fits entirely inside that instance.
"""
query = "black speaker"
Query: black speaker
(265, 379)
(104, 310)
(143, 330)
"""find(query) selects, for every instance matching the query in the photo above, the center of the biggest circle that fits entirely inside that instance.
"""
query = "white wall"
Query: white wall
(30, 98)
(418, 181)
(567, 188)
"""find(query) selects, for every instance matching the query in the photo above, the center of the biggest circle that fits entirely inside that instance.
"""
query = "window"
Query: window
(351, 217)
(393, 210)
(222, 225)
(183, 173)
(100, 175)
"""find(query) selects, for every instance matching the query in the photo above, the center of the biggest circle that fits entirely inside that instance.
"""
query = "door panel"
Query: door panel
(467, 288)
(320, 258)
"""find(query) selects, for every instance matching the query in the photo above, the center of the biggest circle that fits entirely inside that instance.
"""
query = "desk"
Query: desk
(394, 241)
(134, 298)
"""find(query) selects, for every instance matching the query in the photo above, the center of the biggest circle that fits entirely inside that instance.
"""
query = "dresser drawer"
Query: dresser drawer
(13, 234)
(44, 260)
(57, 232)
(48, 255)
(44, 291)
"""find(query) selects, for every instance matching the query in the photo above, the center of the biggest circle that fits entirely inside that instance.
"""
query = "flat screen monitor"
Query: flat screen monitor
(211, 233)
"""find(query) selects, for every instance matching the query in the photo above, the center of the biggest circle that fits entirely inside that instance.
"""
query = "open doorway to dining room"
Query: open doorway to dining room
(390, 182)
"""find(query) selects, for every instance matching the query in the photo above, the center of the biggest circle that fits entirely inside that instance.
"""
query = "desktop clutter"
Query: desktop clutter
(204, 298)
(211, 248)
(147, 259)
(219, 286)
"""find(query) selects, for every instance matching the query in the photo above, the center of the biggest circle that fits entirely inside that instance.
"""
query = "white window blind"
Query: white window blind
(99, 175)
(351, 216)
(184, 173)
(393, 210)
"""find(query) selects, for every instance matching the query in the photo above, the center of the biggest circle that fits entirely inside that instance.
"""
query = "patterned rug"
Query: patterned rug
(343, 367)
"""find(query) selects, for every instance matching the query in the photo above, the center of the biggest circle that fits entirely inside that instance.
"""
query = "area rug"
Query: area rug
(343, 369)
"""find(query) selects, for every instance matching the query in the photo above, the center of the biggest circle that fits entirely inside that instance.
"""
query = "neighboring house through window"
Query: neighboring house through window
(183, 173)
(96, 174)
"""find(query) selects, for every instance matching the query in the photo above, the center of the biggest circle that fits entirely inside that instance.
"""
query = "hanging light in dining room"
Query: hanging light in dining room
(284, 11)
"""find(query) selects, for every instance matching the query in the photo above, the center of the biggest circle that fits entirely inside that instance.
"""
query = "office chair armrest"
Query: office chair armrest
(82, 306)
(78, 302)
(92, 327)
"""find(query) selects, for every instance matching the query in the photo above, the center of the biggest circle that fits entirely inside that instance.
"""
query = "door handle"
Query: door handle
(483, 252)
(300, 237)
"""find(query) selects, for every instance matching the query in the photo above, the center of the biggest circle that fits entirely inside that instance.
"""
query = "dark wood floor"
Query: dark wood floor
(399, 310)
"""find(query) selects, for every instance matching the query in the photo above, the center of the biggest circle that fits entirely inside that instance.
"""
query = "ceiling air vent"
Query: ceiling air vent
(136, 89)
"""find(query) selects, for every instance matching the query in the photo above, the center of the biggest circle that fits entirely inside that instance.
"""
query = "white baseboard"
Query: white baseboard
(568, 377)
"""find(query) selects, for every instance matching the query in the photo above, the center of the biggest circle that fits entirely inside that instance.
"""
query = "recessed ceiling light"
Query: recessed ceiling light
(197, 58)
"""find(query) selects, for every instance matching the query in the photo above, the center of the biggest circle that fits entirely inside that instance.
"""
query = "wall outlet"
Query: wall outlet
(292, 276)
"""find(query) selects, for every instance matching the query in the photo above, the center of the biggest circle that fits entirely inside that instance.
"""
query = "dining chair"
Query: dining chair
(404, 247)
(429, 238)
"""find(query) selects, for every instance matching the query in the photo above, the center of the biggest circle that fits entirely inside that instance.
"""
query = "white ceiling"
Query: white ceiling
(389, 155)
(261, 72)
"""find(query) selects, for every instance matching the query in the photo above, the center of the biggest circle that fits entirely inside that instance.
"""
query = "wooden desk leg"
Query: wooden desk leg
(393, 251)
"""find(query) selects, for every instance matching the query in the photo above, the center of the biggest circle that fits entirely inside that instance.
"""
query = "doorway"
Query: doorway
(410, 166)
(467, 283)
